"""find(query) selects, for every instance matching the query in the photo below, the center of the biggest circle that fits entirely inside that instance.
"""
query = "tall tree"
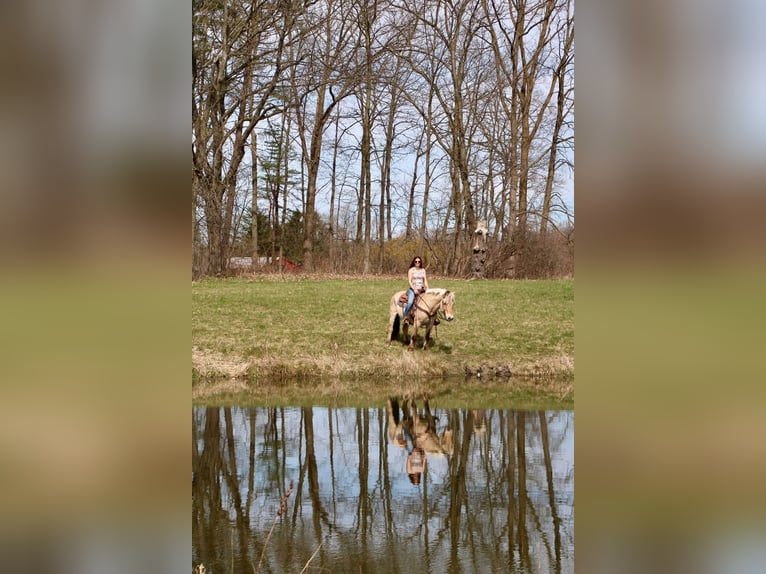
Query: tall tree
(254, 198)
(366, 16)
(448, 32)
(531, 43)
(237, 63)
(278, 178)
(396, 77)
(561, 76)
(323, 74)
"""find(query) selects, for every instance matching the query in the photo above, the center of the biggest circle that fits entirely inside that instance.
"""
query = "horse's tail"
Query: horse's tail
(395, 329)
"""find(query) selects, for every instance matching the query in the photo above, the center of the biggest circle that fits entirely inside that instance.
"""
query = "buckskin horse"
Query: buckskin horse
(423, 314)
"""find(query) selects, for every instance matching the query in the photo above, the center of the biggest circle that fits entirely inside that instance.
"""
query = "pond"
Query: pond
(404, 486)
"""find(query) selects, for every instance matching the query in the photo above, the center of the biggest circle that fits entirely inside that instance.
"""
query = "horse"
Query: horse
(420, 426)
(424, 312)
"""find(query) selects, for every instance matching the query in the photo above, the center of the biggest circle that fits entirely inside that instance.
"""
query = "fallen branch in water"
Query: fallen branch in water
(310, 559)
(282, 509)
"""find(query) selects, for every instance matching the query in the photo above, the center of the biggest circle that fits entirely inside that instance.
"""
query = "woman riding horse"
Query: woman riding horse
(424, 314)
(418, 282)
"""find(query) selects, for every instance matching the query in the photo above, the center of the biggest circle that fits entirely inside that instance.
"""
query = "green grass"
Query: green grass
(326, 337)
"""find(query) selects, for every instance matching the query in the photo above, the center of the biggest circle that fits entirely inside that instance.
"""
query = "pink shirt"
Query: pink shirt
(418, 278)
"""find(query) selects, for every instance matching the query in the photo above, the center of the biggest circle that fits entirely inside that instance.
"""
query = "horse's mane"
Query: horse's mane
(440, 292)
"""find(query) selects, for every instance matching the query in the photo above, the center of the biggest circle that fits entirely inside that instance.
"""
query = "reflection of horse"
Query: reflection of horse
(424, 312)
(479, 424)
(421, 428)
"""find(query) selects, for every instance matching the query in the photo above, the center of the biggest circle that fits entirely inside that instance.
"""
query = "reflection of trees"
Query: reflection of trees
(551, 494)
(504, 455)
(522, 540)
(494, 504)
(313, 472)
(390, 510)
(207, 508)
(457, 496)
(363, 510)
(214, 467)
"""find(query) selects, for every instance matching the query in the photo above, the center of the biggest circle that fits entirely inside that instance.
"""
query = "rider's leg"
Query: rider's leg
(410, 301)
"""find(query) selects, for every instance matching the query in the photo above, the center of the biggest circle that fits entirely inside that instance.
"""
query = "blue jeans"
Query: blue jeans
(410, 301)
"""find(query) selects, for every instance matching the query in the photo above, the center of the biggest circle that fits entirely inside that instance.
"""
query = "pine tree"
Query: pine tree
(278, 179)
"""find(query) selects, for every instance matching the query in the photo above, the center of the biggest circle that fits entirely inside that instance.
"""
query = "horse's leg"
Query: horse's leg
(427, 336)
(391, 319)
(405, 331)
(414, 334)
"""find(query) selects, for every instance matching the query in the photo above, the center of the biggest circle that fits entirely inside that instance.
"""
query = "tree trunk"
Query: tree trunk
(561, 102)
(385, 180)
(333, 177)
(309, 220)
(479, 249)
(427, 184)
(366, 178)
(411, 197)
(254, 206)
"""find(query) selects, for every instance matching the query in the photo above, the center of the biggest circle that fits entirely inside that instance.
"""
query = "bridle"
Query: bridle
(444, 304)
(439, 306)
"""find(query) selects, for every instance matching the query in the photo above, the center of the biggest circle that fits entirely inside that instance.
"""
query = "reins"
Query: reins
(439, 305)
(428, 312)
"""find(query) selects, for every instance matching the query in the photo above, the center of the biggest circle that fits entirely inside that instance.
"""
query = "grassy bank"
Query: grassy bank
(326, 337)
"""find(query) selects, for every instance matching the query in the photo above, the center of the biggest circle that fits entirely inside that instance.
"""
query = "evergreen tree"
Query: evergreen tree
(278, 179)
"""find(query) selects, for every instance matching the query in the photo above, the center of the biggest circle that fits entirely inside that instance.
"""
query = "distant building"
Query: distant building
(290, 266)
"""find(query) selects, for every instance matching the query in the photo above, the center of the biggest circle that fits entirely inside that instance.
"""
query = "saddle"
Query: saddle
(403, 299)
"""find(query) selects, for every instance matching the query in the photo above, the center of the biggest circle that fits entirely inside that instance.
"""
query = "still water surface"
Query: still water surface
(404, 487)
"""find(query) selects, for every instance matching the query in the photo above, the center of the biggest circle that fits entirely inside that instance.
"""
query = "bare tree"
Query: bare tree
(323, 73)
(396, 74)
(237, 63)
(366, 16)
(479, 91)
(445, 57)
(254, 198)
(531, 43)
(563, 102)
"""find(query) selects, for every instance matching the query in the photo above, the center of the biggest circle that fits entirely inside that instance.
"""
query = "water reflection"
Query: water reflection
(404, 487)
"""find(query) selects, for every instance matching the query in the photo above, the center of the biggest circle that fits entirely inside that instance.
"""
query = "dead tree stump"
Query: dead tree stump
(479, 248)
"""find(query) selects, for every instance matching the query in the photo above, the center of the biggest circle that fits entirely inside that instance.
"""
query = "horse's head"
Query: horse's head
(448, 301)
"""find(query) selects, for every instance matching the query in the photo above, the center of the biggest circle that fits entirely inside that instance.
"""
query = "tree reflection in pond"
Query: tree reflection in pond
(403, 487)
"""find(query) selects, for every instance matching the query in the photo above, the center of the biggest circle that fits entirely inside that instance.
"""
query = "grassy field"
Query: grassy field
(301, 339)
